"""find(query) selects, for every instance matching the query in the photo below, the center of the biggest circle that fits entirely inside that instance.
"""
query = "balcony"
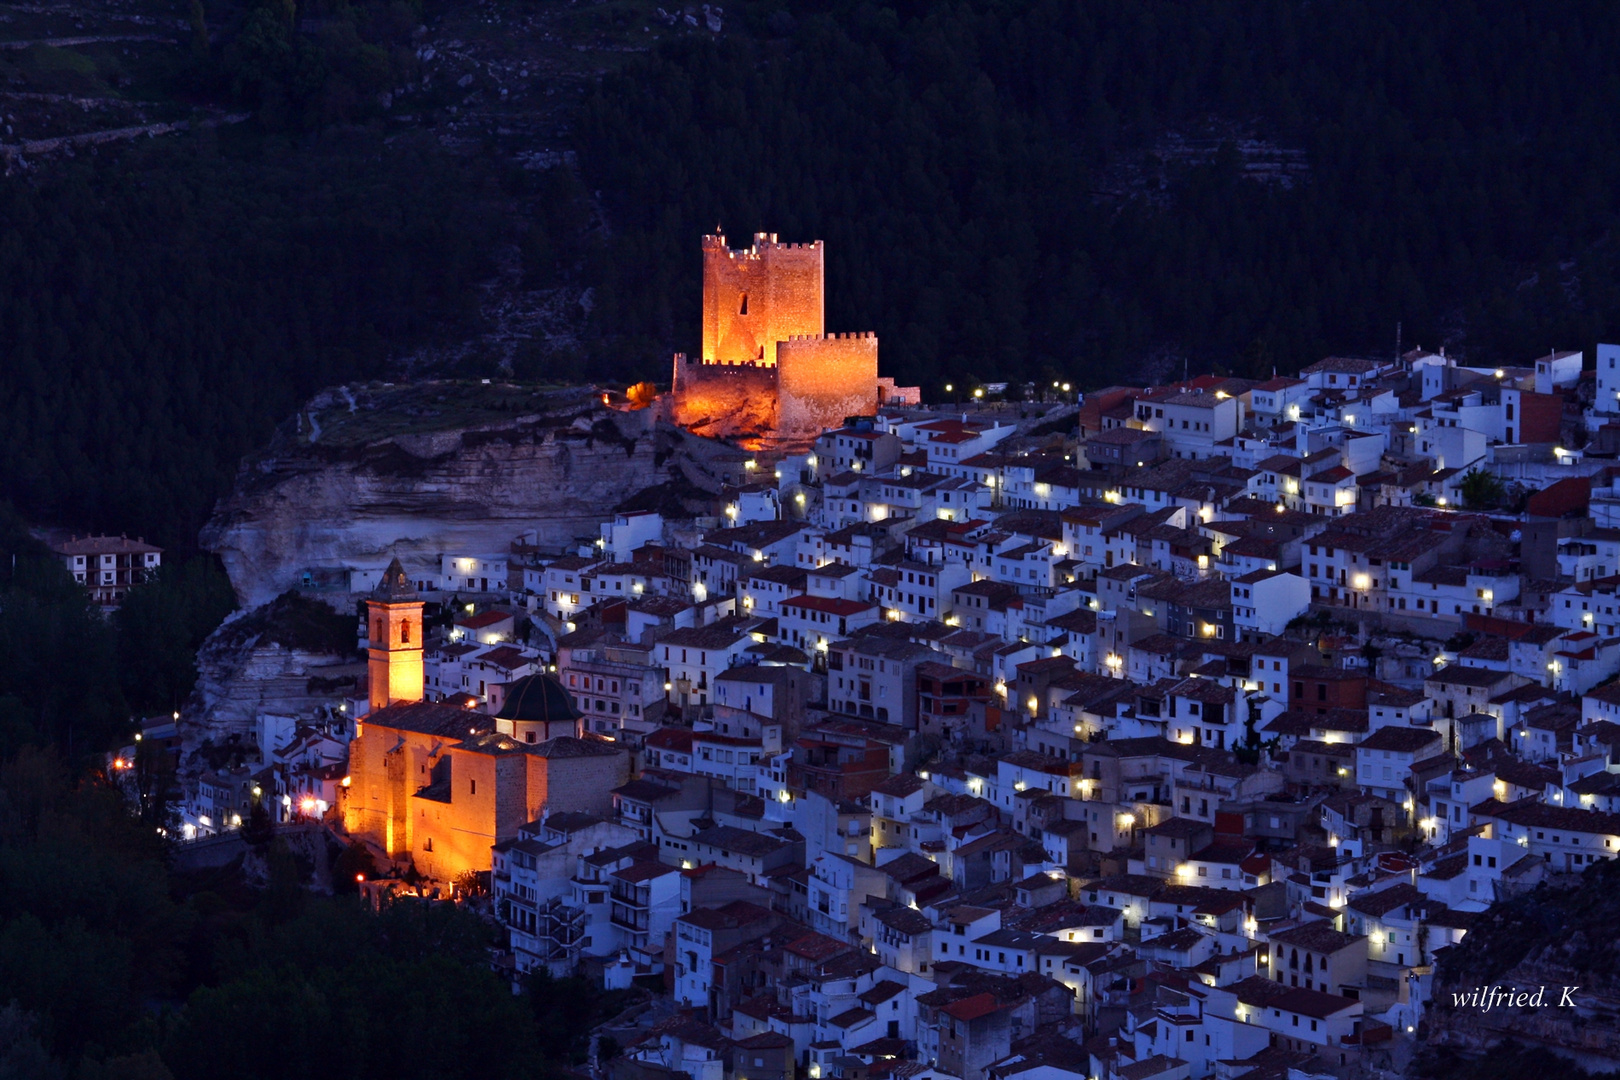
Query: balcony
(633, 897)
(637, 921)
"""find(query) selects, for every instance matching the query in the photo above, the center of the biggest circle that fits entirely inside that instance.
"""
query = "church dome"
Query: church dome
(538, 699)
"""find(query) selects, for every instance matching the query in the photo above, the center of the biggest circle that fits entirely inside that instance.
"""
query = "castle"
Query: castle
(768, 367)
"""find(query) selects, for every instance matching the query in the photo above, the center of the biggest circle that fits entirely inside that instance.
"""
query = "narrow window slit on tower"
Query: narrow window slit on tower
(742, 309)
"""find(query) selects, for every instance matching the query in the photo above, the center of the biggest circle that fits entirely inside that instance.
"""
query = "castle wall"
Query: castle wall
(821, 380)
(722, 399)
(783, 285)
(890, 394)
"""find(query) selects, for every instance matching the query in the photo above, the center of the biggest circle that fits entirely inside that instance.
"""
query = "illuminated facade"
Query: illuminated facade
(394, 640)
(439, 785)
(768, 367)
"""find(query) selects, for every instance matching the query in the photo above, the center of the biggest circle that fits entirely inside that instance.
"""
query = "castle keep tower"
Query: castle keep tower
(769, 369)
(394, 629)
(758, 296)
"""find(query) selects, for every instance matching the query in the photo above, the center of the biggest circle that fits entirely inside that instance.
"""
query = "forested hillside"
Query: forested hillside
(162, 312)
(1001, 193)
(1007, 190)
(116, 968)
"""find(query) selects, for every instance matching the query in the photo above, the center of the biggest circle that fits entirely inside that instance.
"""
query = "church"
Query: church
(438, 785)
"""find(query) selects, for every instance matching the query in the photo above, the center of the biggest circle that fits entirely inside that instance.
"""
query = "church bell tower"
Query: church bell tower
(394, 633)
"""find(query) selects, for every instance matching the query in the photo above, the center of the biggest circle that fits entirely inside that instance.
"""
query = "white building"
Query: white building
(472, 573)
(108, 566)
(1192, 423)
(627, 532)
(1265, 601)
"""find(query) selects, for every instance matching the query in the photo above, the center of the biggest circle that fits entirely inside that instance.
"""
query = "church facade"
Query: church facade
(439, 785)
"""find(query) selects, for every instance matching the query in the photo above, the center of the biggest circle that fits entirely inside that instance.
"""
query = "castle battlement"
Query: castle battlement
(768, 363)
(764, 243)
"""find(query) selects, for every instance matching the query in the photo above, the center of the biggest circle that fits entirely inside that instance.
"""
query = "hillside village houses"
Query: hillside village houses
(1170, 734)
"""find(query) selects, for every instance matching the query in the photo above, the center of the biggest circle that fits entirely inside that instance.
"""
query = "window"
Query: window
(742, 305)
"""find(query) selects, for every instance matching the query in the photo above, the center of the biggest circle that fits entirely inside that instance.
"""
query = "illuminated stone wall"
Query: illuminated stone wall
(890, 394)
(723, 399)
(767, 367)
(494, 786)
(394, 655)
(758, 296)
(486, 803)
(386, 765)
(822, 380)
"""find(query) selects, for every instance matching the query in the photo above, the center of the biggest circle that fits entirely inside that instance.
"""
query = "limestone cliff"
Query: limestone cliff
(363, 473)
(289, 657)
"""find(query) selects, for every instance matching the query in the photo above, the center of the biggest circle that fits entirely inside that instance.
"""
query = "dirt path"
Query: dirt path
(93, 40)
(13, 152)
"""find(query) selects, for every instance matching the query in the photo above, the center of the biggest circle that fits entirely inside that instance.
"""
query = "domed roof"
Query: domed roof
(538, 699)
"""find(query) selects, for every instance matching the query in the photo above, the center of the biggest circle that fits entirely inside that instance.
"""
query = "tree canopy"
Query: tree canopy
(1020, 189)
(143, 973)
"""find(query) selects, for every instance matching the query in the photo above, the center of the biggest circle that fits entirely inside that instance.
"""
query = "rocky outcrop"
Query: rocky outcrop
(1541, 943)
(366, 473)
(288, 658)
(235, 685)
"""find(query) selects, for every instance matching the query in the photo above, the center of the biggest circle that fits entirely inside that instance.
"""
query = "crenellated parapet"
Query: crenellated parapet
(767, 364)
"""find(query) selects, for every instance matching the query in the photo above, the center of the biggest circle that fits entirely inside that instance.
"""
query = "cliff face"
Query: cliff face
(289, 657)
(436, 468)
(1549, 938)
(236, 684)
